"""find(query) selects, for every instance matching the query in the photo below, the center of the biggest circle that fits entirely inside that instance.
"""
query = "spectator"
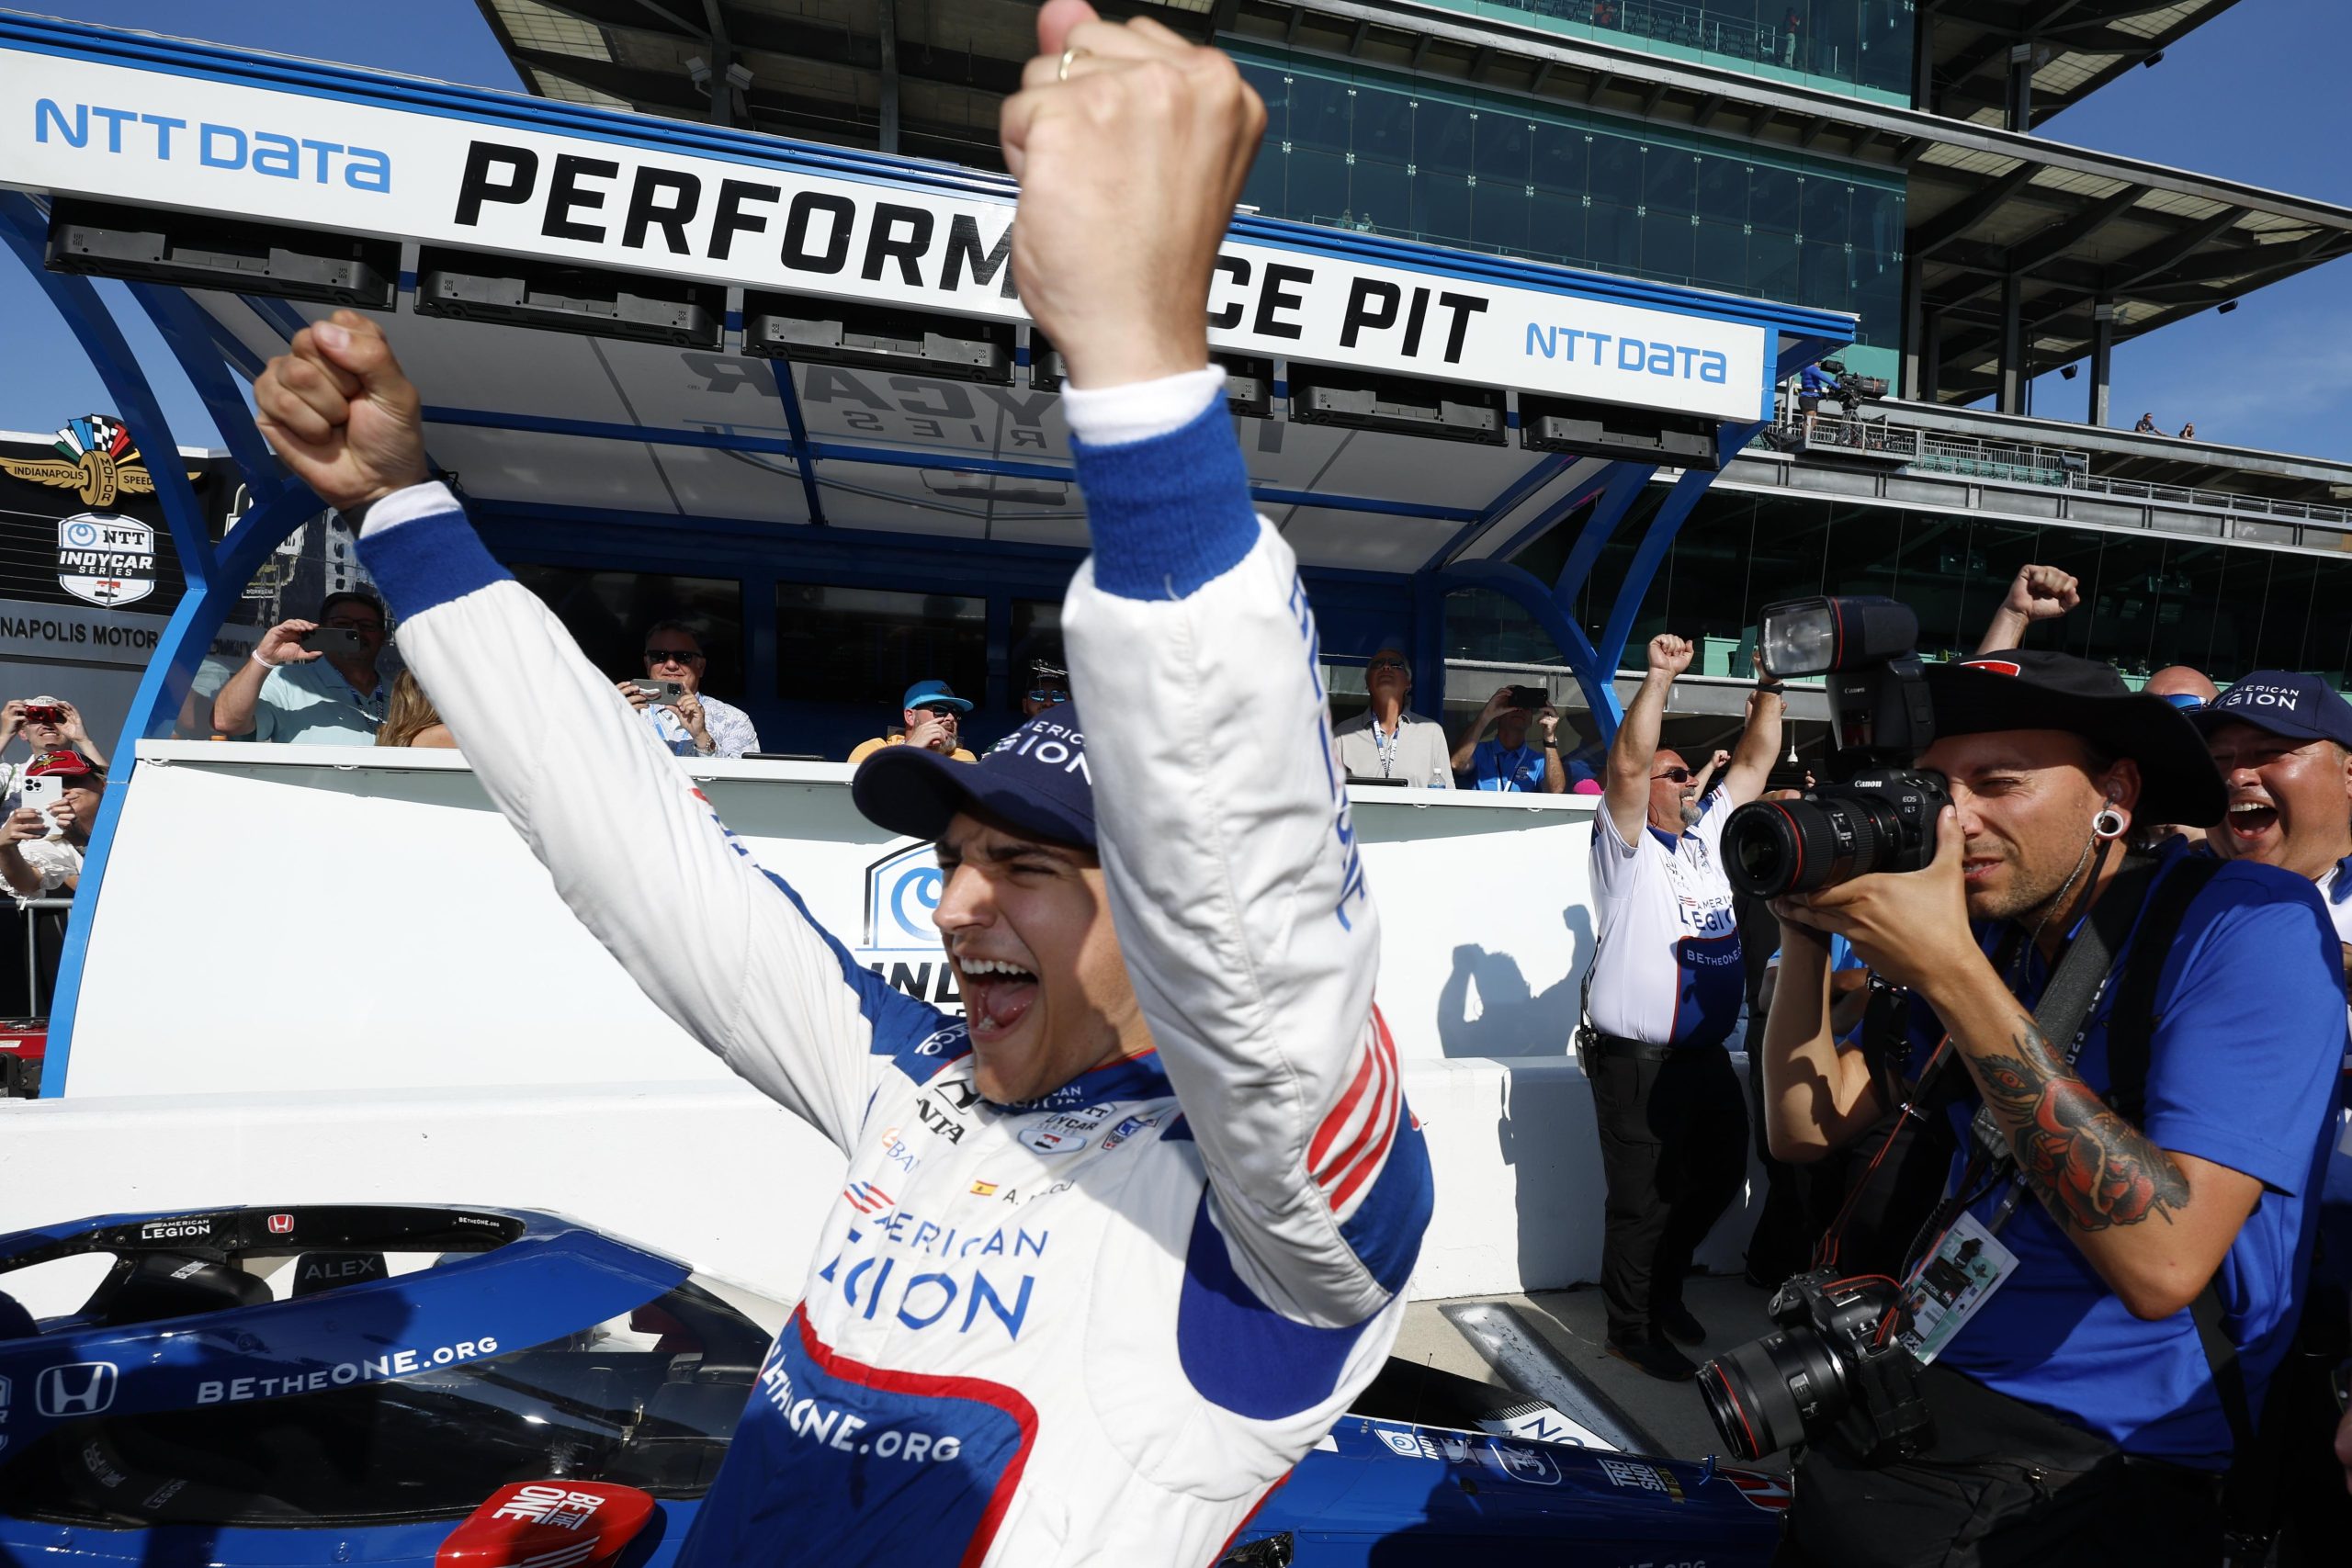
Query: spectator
(2036, 593)
(1506, 763)
(332, 697)
(696, 725)
(1665, 991)
(1387, 740)
(1813, 385)
(2083, 1368)
(934, 718)
(2147, 425)
(2187, 690)
(413, 720)
(48, 724)
(41, 851)
(2283, 742)
(2189, 430)
(1048, 688)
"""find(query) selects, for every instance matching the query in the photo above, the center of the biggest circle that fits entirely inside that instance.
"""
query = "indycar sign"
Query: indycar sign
(805, 224)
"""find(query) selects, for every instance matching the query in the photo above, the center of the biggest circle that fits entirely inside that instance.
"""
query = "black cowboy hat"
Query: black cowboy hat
(2031, 689)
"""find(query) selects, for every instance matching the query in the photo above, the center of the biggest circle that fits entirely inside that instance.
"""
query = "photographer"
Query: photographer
(1505, 762)
(1664, 993)
(2079, 1412)
(331, 695)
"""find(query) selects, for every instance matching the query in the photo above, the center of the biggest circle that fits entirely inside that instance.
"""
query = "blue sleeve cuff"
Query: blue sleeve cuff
(1170, 513)
(428, 561)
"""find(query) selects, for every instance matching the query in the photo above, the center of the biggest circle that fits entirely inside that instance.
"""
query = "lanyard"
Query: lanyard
(1387, 746)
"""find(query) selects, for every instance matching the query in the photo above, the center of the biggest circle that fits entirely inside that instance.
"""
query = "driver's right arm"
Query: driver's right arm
(720, 945)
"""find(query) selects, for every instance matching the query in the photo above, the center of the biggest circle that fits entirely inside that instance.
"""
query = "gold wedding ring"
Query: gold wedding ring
(1061, 71)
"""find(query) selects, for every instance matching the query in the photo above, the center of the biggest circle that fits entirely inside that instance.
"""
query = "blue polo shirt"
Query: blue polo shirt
(1493, 766)
(312, 704)
(2242, 1071)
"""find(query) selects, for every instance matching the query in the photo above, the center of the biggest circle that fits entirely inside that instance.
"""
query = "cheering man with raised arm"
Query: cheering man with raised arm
(1665, 992)
(1120, 1244)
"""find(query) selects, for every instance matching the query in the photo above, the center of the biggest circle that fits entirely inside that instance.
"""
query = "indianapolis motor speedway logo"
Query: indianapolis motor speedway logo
(95, 460)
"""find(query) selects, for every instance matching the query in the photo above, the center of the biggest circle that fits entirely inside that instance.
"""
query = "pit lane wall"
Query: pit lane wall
(324, 973)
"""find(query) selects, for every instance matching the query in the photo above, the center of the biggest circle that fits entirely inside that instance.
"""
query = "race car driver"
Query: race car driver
(1116, 1248)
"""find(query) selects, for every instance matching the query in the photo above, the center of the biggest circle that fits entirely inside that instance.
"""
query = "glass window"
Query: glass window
(1723, 185)
(1826, 205)
(1381, 195)
(1772, 199)
(1555, 227)
(608, 614)
(1504, 149)
(1499, 215)
(1616, 171)
(1442, 206)
(1317, 190)
(1670, 179)
(1383, 125)
(1320, 109)
(1441, 137)
(1561, 156)
(867, 646)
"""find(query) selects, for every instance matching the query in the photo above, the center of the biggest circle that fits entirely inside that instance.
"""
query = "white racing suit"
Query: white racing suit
(1097, 1327)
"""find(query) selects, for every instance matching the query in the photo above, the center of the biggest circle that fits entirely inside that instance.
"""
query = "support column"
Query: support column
(885, 13)
(2020, 107)
(722, 55)
(1915, 330)
(1931, 356)
(2012, 398)
(2102, 359)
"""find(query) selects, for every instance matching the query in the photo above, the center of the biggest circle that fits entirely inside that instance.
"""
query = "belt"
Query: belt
(1642, 1049)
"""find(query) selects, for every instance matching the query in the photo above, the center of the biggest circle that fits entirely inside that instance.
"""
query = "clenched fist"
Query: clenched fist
(1131, 146)
(2041, 593)
(1670, 655)
(338, 410)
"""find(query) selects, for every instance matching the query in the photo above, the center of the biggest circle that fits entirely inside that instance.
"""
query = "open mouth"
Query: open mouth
(1978, 869)
(997, 995)
(2251, 818)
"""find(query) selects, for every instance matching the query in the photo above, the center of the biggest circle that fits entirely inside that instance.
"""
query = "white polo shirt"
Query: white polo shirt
(1667, 971)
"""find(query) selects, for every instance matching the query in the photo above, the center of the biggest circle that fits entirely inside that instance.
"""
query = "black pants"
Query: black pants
(1674, 1150)
(2005, 1486)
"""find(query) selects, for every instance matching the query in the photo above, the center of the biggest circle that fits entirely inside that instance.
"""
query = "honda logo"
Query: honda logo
(79, 1388)
(281, 1224)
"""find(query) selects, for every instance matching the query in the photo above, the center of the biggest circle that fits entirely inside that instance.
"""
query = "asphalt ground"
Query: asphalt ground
(1731, 1310)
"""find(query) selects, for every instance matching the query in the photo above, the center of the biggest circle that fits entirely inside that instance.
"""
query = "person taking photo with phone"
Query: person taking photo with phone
(670, 696)
(1505, 762)
(313, 683)
(41, 841)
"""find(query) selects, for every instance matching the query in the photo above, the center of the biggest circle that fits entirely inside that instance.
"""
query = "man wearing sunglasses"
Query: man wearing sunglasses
(331, 695)
(935, 720)
(692, 725)
(1663, 993)
(1048, 688)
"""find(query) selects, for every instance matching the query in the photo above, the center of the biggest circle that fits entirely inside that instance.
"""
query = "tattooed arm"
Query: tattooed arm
(2155, 1223)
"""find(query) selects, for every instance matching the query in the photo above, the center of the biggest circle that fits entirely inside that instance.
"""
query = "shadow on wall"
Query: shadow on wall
(1486, 1008)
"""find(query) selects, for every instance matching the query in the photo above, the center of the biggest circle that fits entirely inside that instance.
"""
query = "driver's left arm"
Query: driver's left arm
(1232, 863)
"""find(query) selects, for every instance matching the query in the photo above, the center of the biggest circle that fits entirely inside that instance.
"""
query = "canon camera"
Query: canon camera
(1876, 814)
(1834, 1372)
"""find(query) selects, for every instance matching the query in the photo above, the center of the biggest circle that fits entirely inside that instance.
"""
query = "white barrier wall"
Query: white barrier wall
(321, 973)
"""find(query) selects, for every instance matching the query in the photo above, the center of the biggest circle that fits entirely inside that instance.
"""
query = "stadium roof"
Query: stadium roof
(2075, 46)
(2074, 227)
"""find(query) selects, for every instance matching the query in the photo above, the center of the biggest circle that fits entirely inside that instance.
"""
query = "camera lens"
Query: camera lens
(1764, 1395)
(1773, 847)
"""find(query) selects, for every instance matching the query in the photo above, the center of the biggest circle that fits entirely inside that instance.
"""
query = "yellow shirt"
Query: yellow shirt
(867, 748)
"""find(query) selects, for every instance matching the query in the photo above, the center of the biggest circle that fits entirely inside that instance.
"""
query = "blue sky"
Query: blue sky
(2247, 96)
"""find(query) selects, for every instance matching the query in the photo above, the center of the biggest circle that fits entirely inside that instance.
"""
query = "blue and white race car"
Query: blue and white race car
(492, 1388)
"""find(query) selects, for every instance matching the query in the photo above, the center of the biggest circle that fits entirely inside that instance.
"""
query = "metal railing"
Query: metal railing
(2058, 468)
(1696, 27)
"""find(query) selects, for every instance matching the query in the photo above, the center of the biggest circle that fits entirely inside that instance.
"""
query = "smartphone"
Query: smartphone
(39, 795)
(665, 694)
(1530, 697)
(335, 639)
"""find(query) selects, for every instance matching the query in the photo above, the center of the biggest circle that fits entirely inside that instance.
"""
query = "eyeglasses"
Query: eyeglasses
(345, 624)
(1680, 775)
(1049, 695)
(1385, 665)
(671, 656)
(945, 710)
(2187, 702)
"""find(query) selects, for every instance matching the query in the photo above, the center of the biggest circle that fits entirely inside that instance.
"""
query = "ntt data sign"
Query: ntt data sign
(132, 135)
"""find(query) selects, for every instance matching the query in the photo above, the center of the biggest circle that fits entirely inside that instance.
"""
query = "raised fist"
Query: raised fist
(1131, 145)
(2041, 593)
(1670, 655)
(341, 415)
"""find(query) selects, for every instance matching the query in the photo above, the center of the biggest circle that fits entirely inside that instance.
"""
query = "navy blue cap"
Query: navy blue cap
(2284, 701)
(924, 693)
(1033, 780)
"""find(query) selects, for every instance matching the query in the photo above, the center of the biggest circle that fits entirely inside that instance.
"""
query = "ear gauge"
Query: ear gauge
(2109, 823)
